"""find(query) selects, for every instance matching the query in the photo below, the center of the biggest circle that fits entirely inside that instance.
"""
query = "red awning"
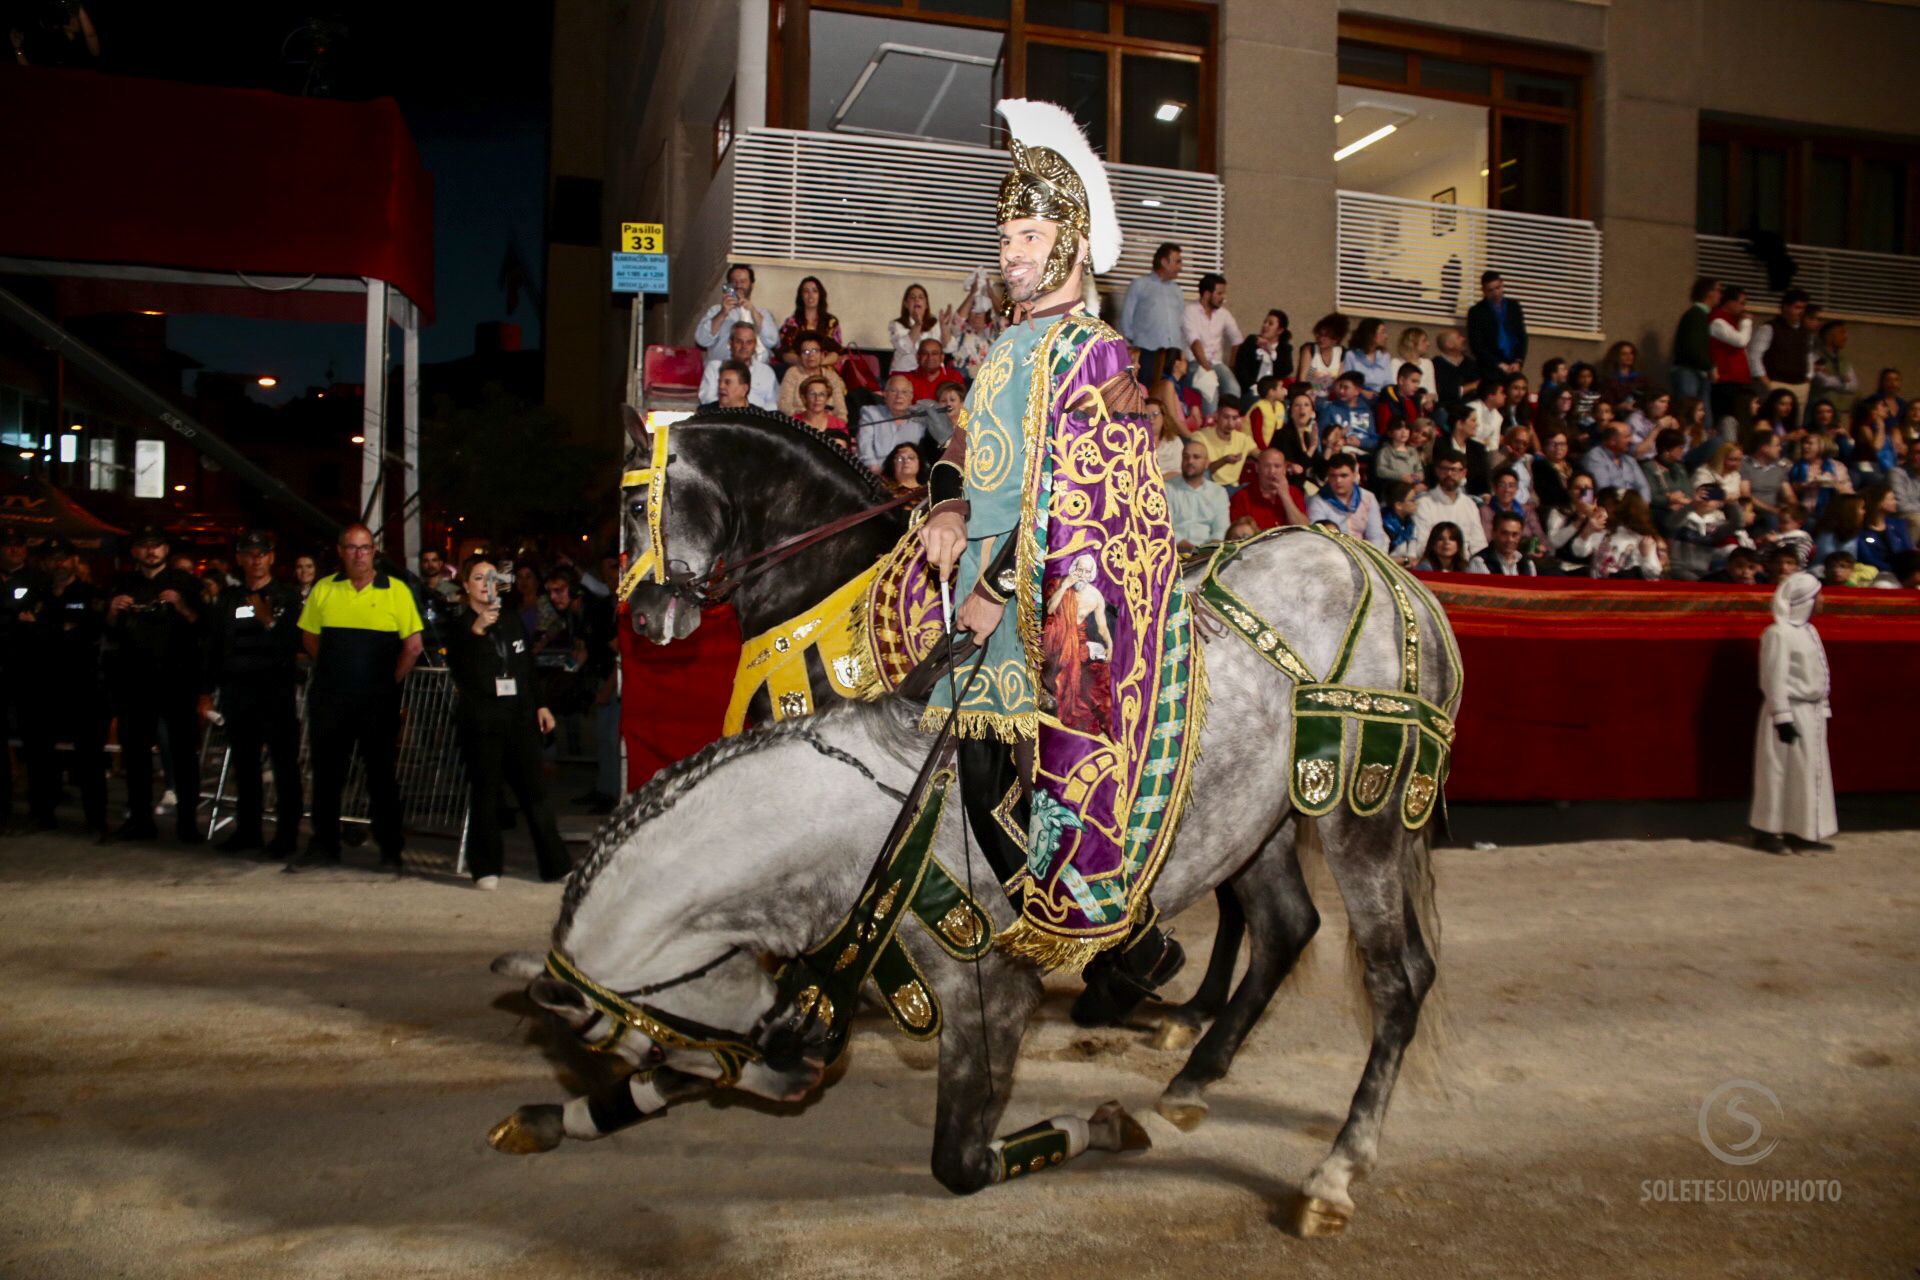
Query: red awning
(113, 169)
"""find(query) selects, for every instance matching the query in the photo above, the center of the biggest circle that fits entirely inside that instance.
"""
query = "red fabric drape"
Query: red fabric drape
(114, 169)
(1575, 689)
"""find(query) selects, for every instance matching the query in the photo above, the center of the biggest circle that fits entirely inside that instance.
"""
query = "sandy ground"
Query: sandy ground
(211, 1069)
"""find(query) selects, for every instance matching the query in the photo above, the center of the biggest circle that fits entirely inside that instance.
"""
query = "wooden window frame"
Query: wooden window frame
(1499, 57)
(788, 90)
(1800, 148)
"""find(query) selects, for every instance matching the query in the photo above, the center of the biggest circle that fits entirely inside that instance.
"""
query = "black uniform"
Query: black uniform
(253, 648)
(19, 594)
(501, 740)
(62, 700)
(154, 666)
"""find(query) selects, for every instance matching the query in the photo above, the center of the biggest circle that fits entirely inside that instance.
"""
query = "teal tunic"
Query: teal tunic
(999, 702)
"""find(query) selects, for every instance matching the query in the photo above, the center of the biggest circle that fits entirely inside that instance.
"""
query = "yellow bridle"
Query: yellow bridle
(651, 562)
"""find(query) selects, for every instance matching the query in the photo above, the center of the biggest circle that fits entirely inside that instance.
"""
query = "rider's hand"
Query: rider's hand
(978, 615)
(943, 537)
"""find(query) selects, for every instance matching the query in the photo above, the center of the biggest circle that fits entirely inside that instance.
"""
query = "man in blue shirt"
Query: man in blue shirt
(1153, 316)
(1344, 409)
(1611, 467)
(1343, 502)
(1497, 328)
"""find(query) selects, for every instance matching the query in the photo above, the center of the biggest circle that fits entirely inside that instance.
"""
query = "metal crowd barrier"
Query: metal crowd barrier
(430, 769)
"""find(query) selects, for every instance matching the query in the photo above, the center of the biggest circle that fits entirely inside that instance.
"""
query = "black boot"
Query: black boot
(1119, 979)
(1798, 845)
(1768, 842)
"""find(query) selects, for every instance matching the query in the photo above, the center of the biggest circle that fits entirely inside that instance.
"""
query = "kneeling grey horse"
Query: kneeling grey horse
(758, 846)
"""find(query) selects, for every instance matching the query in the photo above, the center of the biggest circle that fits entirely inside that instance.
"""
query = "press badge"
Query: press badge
(505, 687)
(244, 611)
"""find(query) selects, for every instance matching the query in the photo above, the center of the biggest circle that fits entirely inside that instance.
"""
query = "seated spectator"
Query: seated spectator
(810, 316)
(1581, 381)
(1333, 444)
(1611, 467)
(816, 408)
(1242, 529)
(1691, 417)
(736, 306)
(1793, 535)
(1473, 455)
(1886, 390)
(1485, 419)
(810, 361)
(1518, 447)
(884, 427)
(1647, 419)
(1444, 551)
(1836, 569)
(1669, 487)
(915, 323)
(1170, 440)
(1344, 501)
(1196, 503)
(1765, 474)
(1575, 529)
(1738, 412)
(1556, 410)
(968, 334)
(1369, 358)
(1506, 501)
(1876, 443)
(1448, 501)
(1699, 534)
(1631, 548)
(1742, 568)
(1905, 482)
(1723, 469)
(1345, 410)
(1455, 374)
(1269, 411)
(1883, 534)
(1779, 413)
(1779, 564)
(1163, 374)
(1397, 459)
(1823, 419)
(1402, 402)
(1416, 348)
(1552, 470)
(1228, 444)
(763, 390)
(1396, 518)
(931, 371)
(1325, 358)
(1520, 409)
(733, 386)
(1502, 554)
(1299, 436)
(1270, 501)
(1553, 379)
(1267, 354)
(1839, 526)
(903, 470)
(1620, 376)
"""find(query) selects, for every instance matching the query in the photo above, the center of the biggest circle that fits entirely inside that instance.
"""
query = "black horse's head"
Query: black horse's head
(703, 494)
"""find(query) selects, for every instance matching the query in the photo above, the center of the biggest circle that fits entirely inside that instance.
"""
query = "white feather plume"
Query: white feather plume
(1049, 125)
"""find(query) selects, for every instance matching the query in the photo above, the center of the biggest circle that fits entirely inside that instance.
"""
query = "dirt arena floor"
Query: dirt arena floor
(210, 1069)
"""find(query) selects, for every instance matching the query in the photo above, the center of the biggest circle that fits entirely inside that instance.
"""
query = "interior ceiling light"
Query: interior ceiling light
(1338, 118)
(1169, 111)
(1361, 145)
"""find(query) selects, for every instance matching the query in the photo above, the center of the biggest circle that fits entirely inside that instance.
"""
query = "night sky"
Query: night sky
(472, 82)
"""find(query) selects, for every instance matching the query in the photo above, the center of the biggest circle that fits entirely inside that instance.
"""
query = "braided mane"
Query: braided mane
(792, 428)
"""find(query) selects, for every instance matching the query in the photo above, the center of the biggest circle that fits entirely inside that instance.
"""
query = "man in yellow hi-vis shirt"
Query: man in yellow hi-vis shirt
(363, 634)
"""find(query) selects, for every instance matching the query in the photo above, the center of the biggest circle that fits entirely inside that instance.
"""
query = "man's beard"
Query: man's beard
(1027, 292)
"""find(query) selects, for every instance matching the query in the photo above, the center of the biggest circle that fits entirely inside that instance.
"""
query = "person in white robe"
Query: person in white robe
(1792, 775)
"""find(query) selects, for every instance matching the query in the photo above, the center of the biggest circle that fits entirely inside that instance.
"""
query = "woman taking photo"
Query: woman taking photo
(915, 323)
(1446, 550)
(500, 727)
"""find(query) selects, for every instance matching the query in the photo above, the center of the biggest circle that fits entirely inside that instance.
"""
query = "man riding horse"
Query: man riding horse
(1079, 722)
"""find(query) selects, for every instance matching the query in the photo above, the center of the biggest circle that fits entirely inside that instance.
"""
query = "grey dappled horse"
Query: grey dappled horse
(759, 845)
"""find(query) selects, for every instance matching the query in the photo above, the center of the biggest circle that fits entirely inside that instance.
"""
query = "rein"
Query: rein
(719, 583)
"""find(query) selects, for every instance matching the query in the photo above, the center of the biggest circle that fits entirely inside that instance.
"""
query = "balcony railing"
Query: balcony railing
(834, 198)
(1845, 282)
(1419, 259)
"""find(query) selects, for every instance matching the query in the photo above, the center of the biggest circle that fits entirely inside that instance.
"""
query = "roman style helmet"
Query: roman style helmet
(1056, 177)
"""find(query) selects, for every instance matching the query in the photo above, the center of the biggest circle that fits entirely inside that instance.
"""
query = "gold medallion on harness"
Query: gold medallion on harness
(961, 927)
(1420, 790)
(1316, 780)
(1372, 784)
(812, 998)
(911, 1002)
(847, 956)
(793, 704)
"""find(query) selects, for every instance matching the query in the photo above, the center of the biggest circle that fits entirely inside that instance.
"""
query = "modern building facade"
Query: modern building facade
(1370, 156)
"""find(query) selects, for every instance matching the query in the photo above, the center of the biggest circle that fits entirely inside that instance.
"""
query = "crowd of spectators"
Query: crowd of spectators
(1441, 448)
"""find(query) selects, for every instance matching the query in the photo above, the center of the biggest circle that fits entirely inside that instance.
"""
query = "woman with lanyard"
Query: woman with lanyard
(500, 725)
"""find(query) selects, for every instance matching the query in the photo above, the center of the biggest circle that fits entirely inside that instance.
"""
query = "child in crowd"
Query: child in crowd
(1346, 411)
(1585, 396)
(1269, 412)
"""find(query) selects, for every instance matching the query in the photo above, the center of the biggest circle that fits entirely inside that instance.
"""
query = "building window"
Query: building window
(1137, 74)
(1422, 110)
(1828, 191)
(723, 129)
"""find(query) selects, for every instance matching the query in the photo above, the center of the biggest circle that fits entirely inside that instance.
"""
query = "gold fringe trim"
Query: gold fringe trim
(1052, 951)
(981, 724)
(872, 684)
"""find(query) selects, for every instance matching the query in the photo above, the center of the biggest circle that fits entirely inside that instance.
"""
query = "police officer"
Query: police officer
(61, 696)
(154, 666)
(20, 587)
(253, 649)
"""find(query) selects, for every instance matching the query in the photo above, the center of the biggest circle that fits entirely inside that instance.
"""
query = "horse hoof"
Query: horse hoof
(1185, 1116)
(1173, 1036)
(528, 1131)
(1128, 1134)
(1313, 1219)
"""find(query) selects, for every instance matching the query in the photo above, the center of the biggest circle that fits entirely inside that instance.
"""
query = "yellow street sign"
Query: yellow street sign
(643, 237)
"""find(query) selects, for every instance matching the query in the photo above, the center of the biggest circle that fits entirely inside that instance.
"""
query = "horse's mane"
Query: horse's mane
(890, 721)
(792, 428)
